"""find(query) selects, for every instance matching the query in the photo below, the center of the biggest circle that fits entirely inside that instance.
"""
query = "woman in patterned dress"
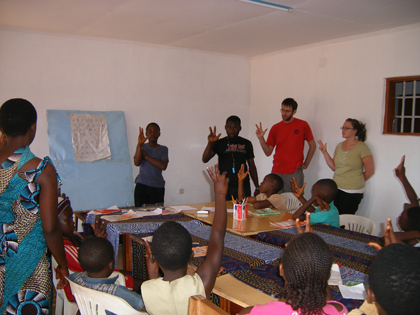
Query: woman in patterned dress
(28, 216)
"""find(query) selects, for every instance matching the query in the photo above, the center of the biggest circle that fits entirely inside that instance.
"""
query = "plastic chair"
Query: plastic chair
(62, 305)
(292, 203)
(199, 305)
(358, 223)
(92, 302)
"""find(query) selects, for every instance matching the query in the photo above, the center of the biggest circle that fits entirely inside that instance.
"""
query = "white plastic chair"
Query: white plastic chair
(358, 223)
(92, 302)
(62, 305)
(292, 203)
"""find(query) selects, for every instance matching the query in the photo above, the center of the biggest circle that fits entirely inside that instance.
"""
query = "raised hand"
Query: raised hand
(298, 192)
(220, 180)
(307, 225)
(242, 174)
(389, 236)
(260, 132)
(100, 230)
(142, 139)
(212, 136)
(322, 147)
(400, 169)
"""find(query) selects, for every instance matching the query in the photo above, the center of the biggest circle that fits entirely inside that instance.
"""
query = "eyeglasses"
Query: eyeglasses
(346, 128)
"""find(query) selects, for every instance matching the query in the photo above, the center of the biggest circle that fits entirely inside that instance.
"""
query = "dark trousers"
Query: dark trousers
(148, 195)
(233, 190)
(347, 203)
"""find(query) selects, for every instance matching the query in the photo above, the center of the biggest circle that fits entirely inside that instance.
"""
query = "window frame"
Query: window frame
(390, 104)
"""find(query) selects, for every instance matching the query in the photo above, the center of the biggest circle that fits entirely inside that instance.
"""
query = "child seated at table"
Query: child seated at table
(96, 256)
(171, 250)
(409, 220)
(323, 193)
(268, 196)
(306, 267)
(72, 243)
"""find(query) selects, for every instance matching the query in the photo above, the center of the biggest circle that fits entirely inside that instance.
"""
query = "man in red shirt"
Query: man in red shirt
(288, 137)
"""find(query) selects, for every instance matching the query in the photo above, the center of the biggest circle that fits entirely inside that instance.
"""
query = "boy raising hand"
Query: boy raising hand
(323, 193)
(171, 251)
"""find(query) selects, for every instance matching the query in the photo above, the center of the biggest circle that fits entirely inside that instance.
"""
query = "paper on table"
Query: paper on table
(335, 278)
(105, 211)
(131, 215)
(356, 292)
(182, 208)
(208, 209)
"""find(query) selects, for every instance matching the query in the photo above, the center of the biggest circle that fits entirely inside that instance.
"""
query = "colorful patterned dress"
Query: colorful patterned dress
(25, 276)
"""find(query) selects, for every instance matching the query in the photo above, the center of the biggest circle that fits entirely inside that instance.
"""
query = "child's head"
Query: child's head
(271, 184)
(96, 255)
(153, 131)
(172, 246)
(326, 189)
(306, 264)
(65, 217)
(409, 220)
(233, 126)
(394, 280)
(17, 116)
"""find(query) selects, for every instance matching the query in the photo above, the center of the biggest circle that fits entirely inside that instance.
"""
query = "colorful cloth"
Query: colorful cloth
(289, 140)
(25, 277)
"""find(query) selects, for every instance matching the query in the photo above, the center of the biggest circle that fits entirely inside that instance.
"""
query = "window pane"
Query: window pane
(398, 107)
(398, 88)
(397, 124)
(409, 88)
(417, 125)
(407, 125)
(417, 111)
(408, 109)
(418, 88)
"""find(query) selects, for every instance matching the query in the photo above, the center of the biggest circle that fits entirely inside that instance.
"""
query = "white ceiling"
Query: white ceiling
(220, 26)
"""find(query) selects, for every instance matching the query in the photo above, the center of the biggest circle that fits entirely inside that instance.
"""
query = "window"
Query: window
(402, 106)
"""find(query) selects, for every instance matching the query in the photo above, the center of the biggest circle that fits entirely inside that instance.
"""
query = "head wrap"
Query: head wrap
(62, 204)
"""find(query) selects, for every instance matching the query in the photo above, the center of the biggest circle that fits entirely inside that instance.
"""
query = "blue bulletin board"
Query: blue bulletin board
(98, 184)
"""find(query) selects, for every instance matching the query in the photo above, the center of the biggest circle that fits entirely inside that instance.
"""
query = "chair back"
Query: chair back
(62, 305)
(199, 305)
(358, 223)
(292, 203)
(92, 302)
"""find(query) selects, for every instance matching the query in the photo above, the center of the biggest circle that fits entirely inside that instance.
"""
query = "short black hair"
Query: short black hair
(17, 115)
(413, 215)
(233, 119)
(329, 188)
(276, 181)
(95, 254)
(307, 262)
(290, 102)
(394, 278)
(153, 124)
(171, 246)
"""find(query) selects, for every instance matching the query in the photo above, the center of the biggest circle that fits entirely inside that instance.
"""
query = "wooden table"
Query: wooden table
(252, 226)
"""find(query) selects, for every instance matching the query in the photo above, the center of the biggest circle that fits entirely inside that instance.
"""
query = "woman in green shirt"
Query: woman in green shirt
(352, 165)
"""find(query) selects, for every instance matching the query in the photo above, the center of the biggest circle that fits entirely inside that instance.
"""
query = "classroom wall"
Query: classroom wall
(184, 91)
(336, 80)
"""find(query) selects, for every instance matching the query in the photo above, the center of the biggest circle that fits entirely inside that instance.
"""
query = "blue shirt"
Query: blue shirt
(331, 216)
(150, 175)
(108, 285)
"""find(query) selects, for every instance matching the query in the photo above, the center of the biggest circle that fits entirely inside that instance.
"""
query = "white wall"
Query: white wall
(334, 81)
(185, 92)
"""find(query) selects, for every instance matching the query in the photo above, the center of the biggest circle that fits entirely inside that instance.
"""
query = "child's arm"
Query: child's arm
(208, 151)
(409, 190)
(307, 206)
(161, 164)
(210, 267)
(151, 264)
(410, 238)
(298, 192)
(254, 175)
(241, 193)
(328, 158)
(138, 157)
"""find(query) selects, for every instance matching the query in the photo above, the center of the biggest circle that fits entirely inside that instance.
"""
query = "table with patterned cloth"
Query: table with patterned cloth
(350, 249)
(239, 253)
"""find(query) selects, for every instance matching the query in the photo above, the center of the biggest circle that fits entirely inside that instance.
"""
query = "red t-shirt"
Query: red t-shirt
(289, 140)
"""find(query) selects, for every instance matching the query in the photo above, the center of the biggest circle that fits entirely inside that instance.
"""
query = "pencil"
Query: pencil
(233, 200)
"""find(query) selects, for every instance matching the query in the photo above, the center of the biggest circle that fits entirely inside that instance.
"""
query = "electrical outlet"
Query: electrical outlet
(181, 190)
